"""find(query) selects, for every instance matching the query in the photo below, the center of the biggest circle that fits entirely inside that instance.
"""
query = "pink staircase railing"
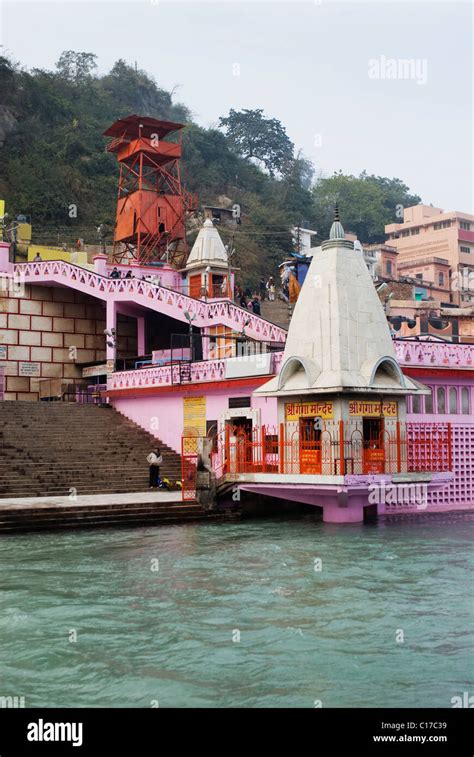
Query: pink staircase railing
(153, 296)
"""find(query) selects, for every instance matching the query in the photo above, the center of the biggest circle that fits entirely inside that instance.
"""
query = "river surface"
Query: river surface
(385, 622)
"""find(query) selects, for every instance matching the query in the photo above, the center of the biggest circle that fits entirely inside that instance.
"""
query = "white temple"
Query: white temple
(208, 249)
(339, 339)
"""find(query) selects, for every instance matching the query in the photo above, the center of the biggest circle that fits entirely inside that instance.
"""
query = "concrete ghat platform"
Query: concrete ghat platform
(97, 510)
(344, 499)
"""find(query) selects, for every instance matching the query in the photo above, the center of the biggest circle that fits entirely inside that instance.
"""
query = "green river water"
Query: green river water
(165, 632)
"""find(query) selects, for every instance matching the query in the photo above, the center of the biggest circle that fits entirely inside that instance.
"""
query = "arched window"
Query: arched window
(440, 400)
(465, 400)
(453, 400)
(429, 402)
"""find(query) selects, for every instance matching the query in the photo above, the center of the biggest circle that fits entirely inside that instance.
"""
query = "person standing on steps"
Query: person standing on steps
(262, 288)
(154, 460)
(256, 305)
(271, 289)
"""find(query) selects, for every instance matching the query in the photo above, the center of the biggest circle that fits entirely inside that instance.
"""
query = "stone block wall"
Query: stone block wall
(38, 329)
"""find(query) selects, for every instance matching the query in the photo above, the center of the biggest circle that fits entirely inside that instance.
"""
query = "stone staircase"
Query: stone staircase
(149, 295)
(51, 448)
(47, 517)
(277, 312)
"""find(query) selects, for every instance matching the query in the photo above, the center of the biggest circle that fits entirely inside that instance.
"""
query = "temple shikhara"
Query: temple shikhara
(149, 335)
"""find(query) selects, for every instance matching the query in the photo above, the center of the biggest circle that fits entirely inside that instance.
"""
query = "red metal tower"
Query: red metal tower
(152, 205)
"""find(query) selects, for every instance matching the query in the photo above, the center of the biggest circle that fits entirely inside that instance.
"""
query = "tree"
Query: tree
(53, 156)
(366, 204)
(294, 189)
(76, 67)
(255, 137)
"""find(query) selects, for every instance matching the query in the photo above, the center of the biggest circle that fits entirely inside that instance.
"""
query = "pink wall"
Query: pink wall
(163, 416)
(268, 410)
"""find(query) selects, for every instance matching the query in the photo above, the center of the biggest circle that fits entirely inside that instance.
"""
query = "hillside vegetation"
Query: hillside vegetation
(52, 155)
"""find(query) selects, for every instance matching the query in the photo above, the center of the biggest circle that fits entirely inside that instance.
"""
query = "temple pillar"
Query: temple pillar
(141, 348)
(111, 323)
(6, 266)
(100, 264)
(345, 509)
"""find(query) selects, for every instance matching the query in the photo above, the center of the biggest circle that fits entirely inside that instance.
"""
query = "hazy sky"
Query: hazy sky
(310, 64)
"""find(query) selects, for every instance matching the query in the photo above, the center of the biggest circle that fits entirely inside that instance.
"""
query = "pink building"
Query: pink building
(214, 384)
(381, 260)
(428, 234)
(431, 277)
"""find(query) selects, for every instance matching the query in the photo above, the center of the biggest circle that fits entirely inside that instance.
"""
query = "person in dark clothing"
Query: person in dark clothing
(243, 302)
(262, 287)
(154, 460)
(256, 305)
(115, 273)
(128, 275)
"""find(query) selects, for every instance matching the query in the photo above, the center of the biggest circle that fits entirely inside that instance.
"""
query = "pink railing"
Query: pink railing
(434, 354)
(149, 295)
(166, 375)
(176, 373)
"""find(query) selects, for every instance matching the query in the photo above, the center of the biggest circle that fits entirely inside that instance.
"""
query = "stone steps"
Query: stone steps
(277, 312)
(49, 448)
(93, 516)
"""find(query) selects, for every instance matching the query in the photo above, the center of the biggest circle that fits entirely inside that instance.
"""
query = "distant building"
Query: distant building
(227, 216)
(302, 239)
(428, 234)
(381, 260)
(431, 276)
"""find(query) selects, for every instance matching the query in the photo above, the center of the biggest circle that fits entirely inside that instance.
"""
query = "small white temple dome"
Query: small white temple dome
(208, 249)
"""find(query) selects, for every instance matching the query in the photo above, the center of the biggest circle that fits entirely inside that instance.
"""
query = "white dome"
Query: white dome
(208, 249)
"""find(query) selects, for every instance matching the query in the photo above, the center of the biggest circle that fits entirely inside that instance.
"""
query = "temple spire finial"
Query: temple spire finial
(337, 231)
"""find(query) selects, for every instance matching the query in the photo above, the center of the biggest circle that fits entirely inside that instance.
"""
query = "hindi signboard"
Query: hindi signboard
(29, 369)
(369, 409)
(194, 411)
(295, 410)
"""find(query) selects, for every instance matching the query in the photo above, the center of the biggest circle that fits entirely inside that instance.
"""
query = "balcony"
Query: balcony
(197, 372)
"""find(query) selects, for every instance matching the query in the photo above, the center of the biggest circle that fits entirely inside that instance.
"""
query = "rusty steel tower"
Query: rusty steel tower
(152, 205)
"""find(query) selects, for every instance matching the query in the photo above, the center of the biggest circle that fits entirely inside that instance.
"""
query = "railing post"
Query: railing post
(399, 449)
(281, 451)
(226, 465)
(449, 447)
(264, 457)
(341, 448)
